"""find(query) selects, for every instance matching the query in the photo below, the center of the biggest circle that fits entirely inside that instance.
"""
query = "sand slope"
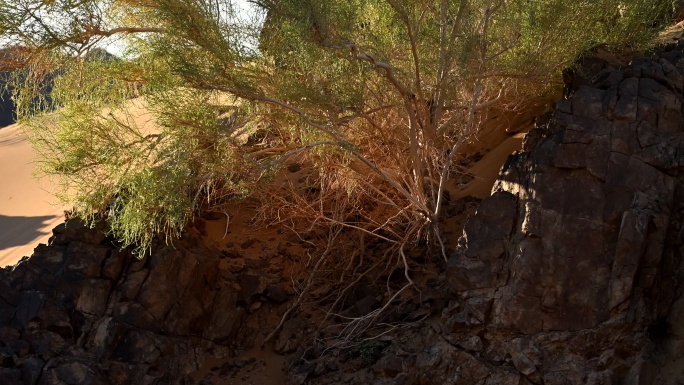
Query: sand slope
(486, 170)
(28, 211)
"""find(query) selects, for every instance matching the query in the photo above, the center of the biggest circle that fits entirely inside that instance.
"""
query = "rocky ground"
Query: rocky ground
(569, 273)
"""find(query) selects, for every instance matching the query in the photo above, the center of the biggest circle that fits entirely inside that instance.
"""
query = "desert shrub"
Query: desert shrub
(377, 95)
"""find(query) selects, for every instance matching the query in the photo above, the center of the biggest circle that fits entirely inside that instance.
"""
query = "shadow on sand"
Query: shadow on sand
(18, 231)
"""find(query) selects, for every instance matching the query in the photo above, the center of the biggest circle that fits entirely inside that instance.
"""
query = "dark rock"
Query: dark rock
(132, 283)
(10, 375)
(31, 370)
(7, 115)
(389, 365)
(76, 230)
(6, 357)
(85, 259)
(114, 264)
(571, 244)
(45, 343)
(299, 375)
(93, 297)
(479, 265)
(83, 312)
(8, 334)
(277, 293)
(160, 290)
(223, 325)
(287, 341)
(7, 313)
(363, 299)
(136, 347)
(76, 373)
(250, 286)
(29, 307)
(135, 314)
(473, 344)
(47, 259)
(19, 348)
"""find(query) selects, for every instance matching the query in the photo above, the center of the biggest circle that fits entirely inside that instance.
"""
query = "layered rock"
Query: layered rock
(577, 253)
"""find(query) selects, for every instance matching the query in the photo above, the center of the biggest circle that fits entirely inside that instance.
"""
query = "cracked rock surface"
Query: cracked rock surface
(579, 248)
(80, 311)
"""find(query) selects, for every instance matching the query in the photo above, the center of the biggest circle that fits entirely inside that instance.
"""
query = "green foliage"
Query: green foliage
(149, 174)
(380, 94)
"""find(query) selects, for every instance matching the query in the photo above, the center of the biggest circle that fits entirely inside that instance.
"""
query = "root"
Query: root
(441, 243)
(225, 233)
(357, 326)
(305, 290)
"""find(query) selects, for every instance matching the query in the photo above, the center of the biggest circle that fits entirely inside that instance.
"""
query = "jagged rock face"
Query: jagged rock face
(578, 250)
(571, 272)
(81, 311)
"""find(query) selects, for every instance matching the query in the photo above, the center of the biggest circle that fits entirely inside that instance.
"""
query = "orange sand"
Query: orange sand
(28, 211)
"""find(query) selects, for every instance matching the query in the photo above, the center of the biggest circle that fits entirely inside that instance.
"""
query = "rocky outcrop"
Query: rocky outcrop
(571, 272)
(577, 253)
(81, 311)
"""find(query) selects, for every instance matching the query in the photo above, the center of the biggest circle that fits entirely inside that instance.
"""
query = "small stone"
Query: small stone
(473, 344)
(523, 364)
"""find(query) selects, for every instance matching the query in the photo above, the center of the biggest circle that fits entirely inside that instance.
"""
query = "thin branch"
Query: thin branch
(385, 67)
(292, 153)
(414, 46)
(347, 145)
(307, 286)
(365, 114)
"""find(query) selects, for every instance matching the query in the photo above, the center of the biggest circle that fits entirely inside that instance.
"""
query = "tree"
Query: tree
(378, 94)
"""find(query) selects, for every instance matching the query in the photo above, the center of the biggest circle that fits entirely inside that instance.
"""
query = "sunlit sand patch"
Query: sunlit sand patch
(28, 210)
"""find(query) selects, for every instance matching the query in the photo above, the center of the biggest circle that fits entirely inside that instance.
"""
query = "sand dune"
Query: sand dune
(28, 211)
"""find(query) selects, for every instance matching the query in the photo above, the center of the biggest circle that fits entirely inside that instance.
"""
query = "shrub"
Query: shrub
(378, 95)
